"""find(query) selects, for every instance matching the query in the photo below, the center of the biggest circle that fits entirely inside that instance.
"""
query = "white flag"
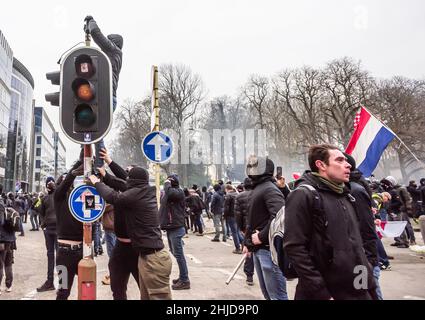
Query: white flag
(391, 229)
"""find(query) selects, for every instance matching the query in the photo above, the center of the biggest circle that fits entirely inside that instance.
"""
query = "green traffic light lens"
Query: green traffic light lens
(84, 115)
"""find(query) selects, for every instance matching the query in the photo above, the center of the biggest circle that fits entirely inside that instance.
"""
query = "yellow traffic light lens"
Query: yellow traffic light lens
(84, 92)
(83, 89)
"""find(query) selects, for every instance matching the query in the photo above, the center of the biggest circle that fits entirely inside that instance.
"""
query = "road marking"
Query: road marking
(191, 257)
(228, 273)
(223, 243)
(413, 298)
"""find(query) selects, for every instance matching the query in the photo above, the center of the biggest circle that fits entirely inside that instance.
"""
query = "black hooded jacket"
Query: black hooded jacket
(333, 275)
(47, 211)
(111, 46)
(363, 206)
(118, 183)
(68, 228)
(241, 209)
(171, 211)
(141, 210)
(264, 203)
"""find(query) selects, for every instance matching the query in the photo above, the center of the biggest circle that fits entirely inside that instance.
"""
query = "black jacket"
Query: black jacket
(140, 207)
(325, 271)
(265, 201)
(217, 202)
(110, 49)
(47, 212)
(67, 227)
(118, 184)
(241, 209)
(171, 212)
(6, 235)
(363, 206)
(229, 204)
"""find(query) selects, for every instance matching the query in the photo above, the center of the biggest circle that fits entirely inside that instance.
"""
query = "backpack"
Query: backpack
(276, 233)
(12, 220)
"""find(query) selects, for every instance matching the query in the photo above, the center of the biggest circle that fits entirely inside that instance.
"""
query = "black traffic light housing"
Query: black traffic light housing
(53, 98)
(86, 95)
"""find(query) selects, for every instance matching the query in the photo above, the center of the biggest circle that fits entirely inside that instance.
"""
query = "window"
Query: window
(38, 164)
(39, 140)
(37, 176)
(38, 152)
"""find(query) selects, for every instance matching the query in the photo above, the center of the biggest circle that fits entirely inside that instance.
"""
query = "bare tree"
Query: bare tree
(399, 102)
(347, 87)
(180, 96)
(132, 123)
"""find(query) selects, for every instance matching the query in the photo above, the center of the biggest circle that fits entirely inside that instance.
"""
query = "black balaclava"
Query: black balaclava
(137, 177)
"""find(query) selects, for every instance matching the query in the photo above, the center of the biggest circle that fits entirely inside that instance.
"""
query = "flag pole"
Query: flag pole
(398, 138)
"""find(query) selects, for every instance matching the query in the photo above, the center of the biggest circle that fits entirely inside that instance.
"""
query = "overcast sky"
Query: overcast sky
(224, 41)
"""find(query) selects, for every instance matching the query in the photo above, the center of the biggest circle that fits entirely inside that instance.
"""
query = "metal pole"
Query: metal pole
(87, 266)
(155, 101)
(236, 269)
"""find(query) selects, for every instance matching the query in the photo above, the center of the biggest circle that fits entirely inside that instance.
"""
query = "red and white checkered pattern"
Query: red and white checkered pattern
(356, 120)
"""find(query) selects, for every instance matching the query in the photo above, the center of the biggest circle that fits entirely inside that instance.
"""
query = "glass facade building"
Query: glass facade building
(6, 66)
(19, 131)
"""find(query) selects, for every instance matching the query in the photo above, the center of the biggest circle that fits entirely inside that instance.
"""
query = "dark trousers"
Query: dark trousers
(52, 246)
(67, 264)
(122, 263)
(248, 267)
(6, 261)
(198, 222)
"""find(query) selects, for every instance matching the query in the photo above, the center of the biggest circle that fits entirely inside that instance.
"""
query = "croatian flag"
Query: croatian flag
(369, 140)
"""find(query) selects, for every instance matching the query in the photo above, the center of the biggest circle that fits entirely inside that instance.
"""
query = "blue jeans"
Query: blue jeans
(376, 274)
(110, 240)
(382, 254)
(34, 218)
(101, 144)
(236, 235)
(176, 246)
(271, 279)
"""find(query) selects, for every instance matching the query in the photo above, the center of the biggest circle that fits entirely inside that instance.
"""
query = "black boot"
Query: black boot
(47, 286)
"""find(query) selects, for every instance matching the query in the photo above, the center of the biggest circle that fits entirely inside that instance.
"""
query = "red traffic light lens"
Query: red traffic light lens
(83, 89)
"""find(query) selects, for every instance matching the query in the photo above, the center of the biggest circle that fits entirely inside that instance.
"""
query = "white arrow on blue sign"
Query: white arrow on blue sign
(157, 147)
(85, 204)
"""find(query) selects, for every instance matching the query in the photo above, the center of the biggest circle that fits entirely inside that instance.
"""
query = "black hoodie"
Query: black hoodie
(140, 207)
(334, 275)
(264, 203)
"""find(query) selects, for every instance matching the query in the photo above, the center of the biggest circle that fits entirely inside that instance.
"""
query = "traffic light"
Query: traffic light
(86, 95)
(53, 98)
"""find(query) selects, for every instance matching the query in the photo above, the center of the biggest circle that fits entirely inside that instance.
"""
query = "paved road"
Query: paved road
(210, 264)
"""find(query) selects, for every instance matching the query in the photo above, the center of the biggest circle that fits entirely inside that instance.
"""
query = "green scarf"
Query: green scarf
(337, 187)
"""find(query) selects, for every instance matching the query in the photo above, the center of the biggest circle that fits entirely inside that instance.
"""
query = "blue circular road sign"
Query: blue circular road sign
(157, 147)
(85, 204)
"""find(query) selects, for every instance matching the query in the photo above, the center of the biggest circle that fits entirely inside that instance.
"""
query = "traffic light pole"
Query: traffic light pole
(87, 265)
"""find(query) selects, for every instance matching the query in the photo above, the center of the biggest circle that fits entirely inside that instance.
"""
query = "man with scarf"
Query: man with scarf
(139, 204)
(323, 242)
(265, 201)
